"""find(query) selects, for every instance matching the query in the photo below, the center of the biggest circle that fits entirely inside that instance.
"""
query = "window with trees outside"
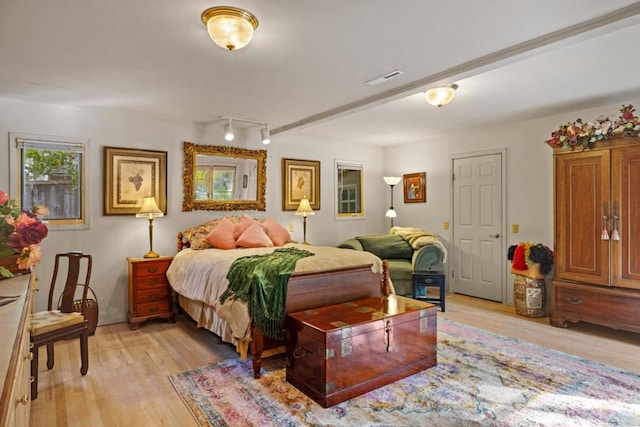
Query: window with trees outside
(50, 171)
(349, 191)
(215, 182)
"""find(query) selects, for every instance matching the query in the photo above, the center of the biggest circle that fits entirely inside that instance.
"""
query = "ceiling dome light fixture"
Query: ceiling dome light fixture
(228, 131)
(229, 27)
(439, 96)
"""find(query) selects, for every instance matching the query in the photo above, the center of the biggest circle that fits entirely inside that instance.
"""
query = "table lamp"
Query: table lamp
(305, 210)
(151, 211)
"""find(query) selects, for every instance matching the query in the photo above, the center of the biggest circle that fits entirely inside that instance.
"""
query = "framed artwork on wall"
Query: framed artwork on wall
(130, 175)
(300, 178)
(415, 187)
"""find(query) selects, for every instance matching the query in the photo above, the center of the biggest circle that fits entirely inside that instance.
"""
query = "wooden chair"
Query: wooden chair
(53, 325)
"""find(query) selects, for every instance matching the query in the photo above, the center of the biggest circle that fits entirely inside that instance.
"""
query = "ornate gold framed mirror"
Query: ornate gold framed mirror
(219, 178)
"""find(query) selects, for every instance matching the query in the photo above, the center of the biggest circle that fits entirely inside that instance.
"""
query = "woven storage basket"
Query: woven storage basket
(529, 296)
(90, 310)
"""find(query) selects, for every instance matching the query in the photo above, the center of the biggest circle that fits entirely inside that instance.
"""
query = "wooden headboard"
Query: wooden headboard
(182, 243)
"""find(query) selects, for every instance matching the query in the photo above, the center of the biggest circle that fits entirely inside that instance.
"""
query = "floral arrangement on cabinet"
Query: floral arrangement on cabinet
(21, 233)
(585, 134)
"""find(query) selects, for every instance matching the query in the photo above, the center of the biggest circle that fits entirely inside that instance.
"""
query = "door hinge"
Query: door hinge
(452, 274)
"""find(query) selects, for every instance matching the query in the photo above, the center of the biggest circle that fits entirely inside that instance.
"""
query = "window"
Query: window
(215, 182)
(50, 171)
(349, 190)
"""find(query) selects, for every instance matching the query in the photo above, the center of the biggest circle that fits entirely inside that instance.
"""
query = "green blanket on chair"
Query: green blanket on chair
(261, 281)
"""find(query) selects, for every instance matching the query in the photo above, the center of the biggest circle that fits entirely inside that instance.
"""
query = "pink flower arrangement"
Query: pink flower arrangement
(586, 134)
(580, 133)
(628, 121)
(21, 233)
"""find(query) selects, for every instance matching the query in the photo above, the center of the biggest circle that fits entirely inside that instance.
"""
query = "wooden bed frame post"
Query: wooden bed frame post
(257, 346)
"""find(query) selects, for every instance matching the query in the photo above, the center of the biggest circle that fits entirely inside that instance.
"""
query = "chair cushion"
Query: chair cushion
(386, 246)
(47, 321)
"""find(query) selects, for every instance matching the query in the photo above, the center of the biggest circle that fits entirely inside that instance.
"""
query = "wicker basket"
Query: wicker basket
(90, 310)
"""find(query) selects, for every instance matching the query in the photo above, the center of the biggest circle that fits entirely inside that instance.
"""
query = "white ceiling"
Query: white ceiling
(305, 69)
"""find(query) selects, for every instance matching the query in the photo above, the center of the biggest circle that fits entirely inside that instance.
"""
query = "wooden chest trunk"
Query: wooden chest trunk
(338, 352)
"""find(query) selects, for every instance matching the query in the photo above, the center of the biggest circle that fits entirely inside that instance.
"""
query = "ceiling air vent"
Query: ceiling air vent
(385, 78)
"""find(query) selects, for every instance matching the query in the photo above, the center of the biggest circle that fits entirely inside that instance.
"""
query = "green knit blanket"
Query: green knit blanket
(261, 281)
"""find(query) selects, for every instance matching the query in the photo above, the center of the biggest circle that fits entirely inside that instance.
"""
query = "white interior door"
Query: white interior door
(478, 227)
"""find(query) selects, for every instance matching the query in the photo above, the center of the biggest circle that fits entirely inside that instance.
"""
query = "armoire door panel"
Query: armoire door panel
(626, 206)
(582, 200)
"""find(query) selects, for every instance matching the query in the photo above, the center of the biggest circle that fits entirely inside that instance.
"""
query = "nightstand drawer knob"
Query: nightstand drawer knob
(428, 280)
(152, 270)
(153, 309)
(574, 300)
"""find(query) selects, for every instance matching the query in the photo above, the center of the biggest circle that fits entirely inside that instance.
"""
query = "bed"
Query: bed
(330, 276)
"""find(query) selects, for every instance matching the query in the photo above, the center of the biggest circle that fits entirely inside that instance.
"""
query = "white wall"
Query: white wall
(322, 227)
(529, 189)
(111, 239)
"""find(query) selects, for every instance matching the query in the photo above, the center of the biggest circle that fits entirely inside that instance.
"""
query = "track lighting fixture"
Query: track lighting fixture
(266, 137)
(265, 134)
(228, 131)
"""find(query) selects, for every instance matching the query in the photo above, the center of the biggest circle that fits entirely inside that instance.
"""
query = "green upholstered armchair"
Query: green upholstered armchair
(403, 259)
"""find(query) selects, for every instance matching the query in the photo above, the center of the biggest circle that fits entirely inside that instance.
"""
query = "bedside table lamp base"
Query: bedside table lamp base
(151, 254)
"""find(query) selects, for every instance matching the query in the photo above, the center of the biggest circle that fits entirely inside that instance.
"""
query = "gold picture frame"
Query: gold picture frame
(300, 178)
(415, 187)
(130, 175)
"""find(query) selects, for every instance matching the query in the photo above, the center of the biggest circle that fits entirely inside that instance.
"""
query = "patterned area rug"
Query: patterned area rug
(481, 379)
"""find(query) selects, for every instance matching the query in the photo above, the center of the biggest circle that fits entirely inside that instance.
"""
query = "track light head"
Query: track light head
(266, 137)
(228, 131)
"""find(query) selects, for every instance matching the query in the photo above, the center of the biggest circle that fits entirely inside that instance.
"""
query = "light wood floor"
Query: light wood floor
(127, 383)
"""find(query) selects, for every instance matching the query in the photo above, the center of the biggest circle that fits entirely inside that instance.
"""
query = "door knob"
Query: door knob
(495, 236)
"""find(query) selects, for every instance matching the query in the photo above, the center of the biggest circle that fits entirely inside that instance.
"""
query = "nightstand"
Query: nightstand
(423, 281)
(149, 290)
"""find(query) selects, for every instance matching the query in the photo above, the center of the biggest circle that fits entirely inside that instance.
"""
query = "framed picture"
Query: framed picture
(130, 175)
(300, 178)
(415, 187)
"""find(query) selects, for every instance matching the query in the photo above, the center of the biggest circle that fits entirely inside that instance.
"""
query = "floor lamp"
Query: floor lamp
(150, 210)
(305, 210)
(391, 181)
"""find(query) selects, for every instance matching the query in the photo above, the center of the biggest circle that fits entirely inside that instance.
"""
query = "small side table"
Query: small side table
(149, 290)
(423, 281)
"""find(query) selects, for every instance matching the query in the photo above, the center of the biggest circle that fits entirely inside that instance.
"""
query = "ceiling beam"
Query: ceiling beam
(475, 65)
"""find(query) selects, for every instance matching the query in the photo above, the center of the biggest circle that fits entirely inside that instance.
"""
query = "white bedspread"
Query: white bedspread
(201, 275)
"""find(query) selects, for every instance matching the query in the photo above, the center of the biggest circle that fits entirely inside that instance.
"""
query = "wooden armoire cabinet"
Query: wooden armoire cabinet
(597, 235)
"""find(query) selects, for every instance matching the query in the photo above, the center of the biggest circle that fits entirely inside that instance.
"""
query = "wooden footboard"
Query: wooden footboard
(313, 290)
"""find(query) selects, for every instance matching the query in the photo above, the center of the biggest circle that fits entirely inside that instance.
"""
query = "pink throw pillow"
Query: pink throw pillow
(277, 233)
(244, 223)
(254, 237)
(221, 236)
